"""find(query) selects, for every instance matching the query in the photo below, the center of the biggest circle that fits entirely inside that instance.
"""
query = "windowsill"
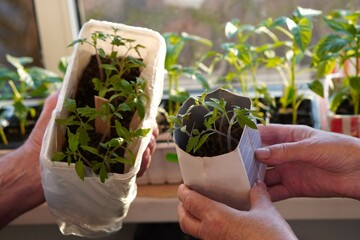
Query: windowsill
(158, 203)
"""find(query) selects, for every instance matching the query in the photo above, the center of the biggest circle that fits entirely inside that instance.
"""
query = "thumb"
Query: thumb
(259, 197)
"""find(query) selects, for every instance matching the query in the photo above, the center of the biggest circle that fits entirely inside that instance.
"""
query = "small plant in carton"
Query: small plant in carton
(216, 136)
(101, 125)
(98, 129)
(220, 130)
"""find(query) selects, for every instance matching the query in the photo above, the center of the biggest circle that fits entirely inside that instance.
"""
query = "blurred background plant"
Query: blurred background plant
(176, 71)
(22, 91)
(339, 53)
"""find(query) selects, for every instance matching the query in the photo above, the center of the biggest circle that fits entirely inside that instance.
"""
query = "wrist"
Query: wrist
(19, 180)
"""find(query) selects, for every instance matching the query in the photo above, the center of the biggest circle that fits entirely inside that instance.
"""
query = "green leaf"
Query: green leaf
(73, 140)
(101, 52)
(70, 105)
(80, 169)
(109, 67)
(355, 83)
(201, 141)
(88, 112)
(81, 41)
(175, 120)
(317, 87)
(329, 45)
(115, 142)
(103, 173)
(336, 100)
(59, 156)
(302, 32)
(142, 132)
(91, 150)
(192, 143)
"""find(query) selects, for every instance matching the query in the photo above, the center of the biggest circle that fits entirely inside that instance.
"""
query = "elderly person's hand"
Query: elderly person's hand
(206, 219)
(307, 162)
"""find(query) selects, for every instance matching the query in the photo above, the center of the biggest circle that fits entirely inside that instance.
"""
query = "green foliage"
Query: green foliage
(23, 82)
(218, 120)
(340, 49)
(244, 59)
(290, 40)
(175, 44)
(112, 85)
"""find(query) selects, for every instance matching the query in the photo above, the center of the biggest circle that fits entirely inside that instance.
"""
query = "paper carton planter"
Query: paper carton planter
(92, 208)
(226, 178)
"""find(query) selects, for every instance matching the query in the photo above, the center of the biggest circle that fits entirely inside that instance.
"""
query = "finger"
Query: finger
(279, 192)
(272, 177)
(259, 197)
(156, 130)
(278, 133)
(188, 223)
(152, 144)
(195, 203)
(145, 162)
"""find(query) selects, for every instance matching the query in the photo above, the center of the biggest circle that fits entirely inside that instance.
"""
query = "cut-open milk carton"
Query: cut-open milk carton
(226, 178)
(92, 208)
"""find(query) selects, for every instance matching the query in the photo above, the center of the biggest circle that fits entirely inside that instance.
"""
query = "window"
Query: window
(18, 35)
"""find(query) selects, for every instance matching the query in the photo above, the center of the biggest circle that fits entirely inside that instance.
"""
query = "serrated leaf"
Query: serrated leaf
(73, 140)
(80, 169)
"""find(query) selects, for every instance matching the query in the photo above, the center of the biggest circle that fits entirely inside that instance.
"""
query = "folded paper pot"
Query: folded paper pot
(91, 208)
(226, 178)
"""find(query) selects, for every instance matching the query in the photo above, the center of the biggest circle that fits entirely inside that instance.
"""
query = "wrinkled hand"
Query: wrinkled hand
(309, 162)
(146, 159)
(35, 139)
(206, 219)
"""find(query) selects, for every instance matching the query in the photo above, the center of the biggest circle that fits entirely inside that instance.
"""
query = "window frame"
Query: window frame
(58, 25)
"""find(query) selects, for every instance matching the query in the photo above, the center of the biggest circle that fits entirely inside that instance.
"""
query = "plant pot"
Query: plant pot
(90, 207)
(307, 113)
(226, 178)
(343, 120)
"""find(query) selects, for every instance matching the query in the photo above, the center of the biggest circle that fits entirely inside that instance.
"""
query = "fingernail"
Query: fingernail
(262, 153)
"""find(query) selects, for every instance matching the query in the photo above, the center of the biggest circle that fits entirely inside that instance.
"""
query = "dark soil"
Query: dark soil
(304, 114)
(217, 144)
(85, 97)
(345, 108)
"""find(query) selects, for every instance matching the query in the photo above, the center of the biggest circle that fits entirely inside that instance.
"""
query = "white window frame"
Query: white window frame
(58, 26)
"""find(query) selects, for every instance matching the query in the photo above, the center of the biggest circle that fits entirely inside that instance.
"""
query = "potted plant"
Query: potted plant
(336, 57)
(23, 89)
(279, 44)
(101, 126)
(290, 40)
(216, 136)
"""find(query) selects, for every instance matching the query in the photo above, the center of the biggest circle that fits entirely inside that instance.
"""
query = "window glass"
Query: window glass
(18, 31)
(205, 18)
